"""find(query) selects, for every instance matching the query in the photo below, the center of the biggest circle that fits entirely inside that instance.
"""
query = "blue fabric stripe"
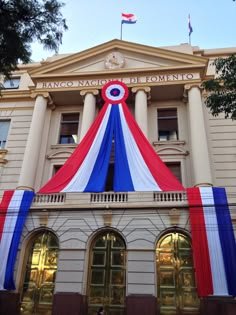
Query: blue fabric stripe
(97, 180)
(23, 211)
(122, 176)
(227, 238)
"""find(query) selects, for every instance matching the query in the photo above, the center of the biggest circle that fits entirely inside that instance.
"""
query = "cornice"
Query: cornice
(200, 67)
(119, 45)
(16, 94)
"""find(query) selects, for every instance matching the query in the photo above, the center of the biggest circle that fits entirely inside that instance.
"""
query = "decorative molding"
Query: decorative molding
(107, 217)
(174, 215)
(62, 153)
(168, 142)
(43, 217)
(3, 153)
(170, 148)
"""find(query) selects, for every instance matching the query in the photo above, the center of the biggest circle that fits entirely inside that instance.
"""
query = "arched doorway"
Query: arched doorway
(177, 292)
(107, 269)
(38, 285)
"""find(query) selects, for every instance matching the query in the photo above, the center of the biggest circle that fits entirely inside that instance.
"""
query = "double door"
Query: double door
(177, 293)
(41, 266)
(106, 285)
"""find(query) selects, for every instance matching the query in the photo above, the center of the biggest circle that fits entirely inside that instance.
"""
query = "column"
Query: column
(32, 150)
(198, 136)
(140, 112)
(89, 110)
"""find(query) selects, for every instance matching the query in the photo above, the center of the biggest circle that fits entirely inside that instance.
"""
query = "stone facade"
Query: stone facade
(203, 150)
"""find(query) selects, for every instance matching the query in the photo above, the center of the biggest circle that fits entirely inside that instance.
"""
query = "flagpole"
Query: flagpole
(189, 39)
(121, 30)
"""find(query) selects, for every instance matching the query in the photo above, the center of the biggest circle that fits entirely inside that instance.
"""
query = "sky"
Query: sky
(160, 23)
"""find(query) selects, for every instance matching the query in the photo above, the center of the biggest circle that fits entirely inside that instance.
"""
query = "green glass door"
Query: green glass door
(106, 285)
(177, 293)
(38, 285)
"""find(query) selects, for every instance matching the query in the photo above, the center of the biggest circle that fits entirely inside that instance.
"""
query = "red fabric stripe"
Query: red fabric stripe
(199, 243)
(162, 175)
(3, 208)
(68, 170)
(128, 16)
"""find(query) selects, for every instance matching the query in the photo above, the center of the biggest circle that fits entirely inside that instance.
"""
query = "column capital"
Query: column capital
(188, 87)
(89, 91)
(146, 89)
(45, 95)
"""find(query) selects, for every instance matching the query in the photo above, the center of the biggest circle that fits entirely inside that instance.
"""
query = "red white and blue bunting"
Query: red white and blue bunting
(137, 167)
(13, 212)
(213, 241)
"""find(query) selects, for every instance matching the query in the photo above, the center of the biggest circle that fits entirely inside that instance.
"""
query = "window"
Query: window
(167, 124)
(175, 169)
(69, 128)
(12, 83)
(4, 127)
(56, 169)
(110, 176)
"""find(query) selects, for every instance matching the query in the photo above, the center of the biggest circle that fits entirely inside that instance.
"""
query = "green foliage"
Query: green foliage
(222, 97)
(23, 22)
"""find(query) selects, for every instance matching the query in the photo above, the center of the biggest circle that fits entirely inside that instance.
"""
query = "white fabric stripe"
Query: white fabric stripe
(214, 245)
(141, 176)
(8, 231)
(82, 176)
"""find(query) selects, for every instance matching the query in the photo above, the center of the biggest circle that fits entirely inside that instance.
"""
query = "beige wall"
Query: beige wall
(20, 114)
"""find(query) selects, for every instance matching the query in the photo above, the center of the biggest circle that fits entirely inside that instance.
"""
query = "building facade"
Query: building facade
(130, 252)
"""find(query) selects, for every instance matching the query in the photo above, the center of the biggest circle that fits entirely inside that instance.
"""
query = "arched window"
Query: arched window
(40, 270)
(176, 285)
(107, 270)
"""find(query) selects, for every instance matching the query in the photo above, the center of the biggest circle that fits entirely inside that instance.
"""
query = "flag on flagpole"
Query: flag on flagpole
(128, 18)
(190, 29)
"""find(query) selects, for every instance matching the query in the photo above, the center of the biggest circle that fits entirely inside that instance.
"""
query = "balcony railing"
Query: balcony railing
(110, 199)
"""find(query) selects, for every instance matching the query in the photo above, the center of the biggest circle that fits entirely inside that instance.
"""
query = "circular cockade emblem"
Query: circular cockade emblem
(114, 60)
(115, 92)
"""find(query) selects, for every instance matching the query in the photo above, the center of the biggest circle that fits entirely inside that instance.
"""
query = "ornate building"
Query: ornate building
(130, 251)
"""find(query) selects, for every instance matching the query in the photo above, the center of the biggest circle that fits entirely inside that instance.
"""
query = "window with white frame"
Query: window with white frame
(4, 128)
(167, 122)
(69, 128)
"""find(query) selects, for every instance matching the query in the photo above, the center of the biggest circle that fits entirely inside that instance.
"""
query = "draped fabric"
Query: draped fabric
(137, 167)
(213, 241)
(13, 211)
